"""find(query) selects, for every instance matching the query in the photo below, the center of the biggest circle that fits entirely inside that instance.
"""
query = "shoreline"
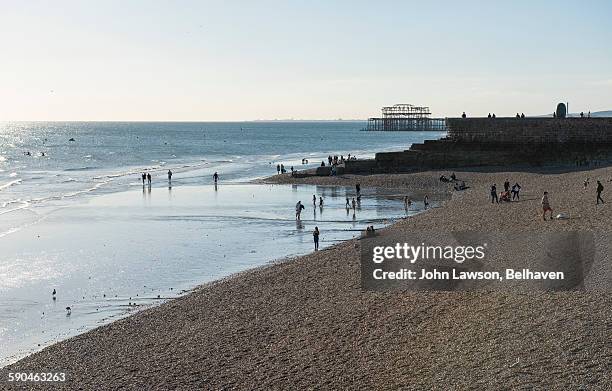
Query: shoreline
(53, 326)
(304, 320)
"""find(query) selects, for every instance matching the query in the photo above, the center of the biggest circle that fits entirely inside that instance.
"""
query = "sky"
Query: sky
(178, 60)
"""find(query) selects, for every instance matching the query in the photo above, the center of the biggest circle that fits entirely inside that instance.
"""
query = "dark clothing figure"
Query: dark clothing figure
(599, 190)
(506, 186)
(463, 115)
(215, 177)
(315, 236)
(169, 176)
(516, 188)
(494, 198)
(278, 168)
(149, 178)
(358, 189)
(144, 177)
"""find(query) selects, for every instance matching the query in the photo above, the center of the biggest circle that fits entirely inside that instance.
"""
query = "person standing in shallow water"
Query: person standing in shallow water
(144, 177)
(169, 177)
(215, 177)
(149, 178)
(315, 236)
(278, 168)
(314, 200)
(298, 210)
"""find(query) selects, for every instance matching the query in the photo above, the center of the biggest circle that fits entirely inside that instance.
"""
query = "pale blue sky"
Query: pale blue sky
(230, 60)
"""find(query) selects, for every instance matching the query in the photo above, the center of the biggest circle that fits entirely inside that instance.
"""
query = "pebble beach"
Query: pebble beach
(306, 322)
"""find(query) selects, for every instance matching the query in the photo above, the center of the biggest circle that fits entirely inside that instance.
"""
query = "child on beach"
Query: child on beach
(546, 206)
(315, 236)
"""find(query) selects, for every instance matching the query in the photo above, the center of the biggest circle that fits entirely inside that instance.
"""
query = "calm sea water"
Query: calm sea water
(78, 220)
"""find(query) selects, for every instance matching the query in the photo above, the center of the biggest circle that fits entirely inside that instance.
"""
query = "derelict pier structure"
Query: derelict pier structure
(406, 117)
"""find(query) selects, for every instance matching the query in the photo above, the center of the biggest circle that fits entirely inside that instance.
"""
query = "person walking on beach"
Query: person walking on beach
(315, 236)
(426, 202)
(516, 188)
(170, 177)
(494, 198)
(599, 190)
(353, 203)
(144, 177)
(546, 206)
(278, 168)
(215, 177)
(507, 185)
(314, 200)
(347, 202)
(358, 189)
(321, 202)
(298, 210)
(149, 178)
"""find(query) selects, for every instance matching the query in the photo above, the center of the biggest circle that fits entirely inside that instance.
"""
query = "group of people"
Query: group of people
(459, 185)
(146, 177)
(516, 188)
(509, 194)
(299, 207)
(521, 115)
(280, 169)
(335, 160)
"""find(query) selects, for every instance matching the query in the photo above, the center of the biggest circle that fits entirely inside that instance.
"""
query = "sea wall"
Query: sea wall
(473, 142)
(530, 130)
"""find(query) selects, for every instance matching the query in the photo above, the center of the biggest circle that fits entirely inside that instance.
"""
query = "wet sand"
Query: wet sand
(306, 323)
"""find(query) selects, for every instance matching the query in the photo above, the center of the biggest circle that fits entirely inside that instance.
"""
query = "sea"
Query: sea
(76, 218)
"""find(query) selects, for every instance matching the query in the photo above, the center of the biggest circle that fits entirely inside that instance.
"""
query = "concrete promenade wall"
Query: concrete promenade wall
(530, 130)
(475, 142)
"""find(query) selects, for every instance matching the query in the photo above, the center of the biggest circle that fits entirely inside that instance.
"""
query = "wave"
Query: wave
(86, 168)
(9, 184)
